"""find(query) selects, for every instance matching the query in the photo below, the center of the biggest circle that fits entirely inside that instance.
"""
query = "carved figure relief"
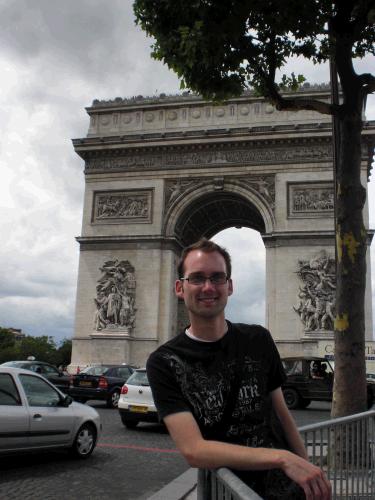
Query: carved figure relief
(115, 297)
(310, 199)
(264, 185)
(176, 188)
(116, 206)
(316, 307)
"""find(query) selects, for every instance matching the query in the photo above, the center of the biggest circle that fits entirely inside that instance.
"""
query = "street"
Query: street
(127, 464)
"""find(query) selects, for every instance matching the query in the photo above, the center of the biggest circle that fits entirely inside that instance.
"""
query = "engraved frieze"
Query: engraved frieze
(316, 296)
(310, 199)
(115, 297)
(181, 159)
(120, 206)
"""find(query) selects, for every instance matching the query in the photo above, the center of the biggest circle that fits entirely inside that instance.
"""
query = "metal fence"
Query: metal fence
(343, 447)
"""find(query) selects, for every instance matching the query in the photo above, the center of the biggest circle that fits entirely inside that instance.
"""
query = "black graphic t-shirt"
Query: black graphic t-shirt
(237, 372)
(190, 375)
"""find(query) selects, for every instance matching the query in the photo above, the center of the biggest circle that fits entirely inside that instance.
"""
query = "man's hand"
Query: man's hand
(311, 478)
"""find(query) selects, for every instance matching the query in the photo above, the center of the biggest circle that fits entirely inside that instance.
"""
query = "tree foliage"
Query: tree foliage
(219, 48)
(43, 348)
(7, 339)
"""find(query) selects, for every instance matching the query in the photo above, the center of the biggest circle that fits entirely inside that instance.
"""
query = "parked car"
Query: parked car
(136, 403)
(311, 379)
(101, 382)
(50, 372)
(35, 415)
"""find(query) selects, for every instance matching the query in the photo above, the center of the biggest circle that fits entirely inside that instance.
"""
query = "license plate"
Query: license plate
(138, 409)
(85, 383)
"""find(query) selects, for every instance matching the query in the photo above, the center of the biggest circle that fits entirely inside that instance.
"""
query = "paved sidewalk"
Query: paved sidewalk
(184, 487)
(192, 495)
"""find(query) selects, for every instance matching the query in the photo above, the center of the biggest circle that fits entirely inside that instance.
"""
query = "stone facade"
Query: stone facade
(162, 172)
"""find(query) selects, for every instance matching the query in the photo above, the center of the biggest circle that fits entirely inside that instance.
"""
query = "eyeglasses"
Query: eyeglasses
(200, 279)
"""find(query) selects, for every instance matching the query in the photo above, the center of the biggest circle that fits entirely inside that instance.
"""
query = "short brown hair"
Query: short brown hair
(206, 246)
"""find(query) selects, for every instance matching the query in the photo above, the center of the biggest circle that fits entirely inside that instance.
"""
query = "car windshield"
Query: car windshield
(292, 367)
(138, 378)
(95, 370)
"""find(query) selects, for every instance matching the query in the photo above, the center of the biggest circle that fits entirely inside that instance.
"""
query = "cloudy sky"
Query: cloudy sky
(55, 58)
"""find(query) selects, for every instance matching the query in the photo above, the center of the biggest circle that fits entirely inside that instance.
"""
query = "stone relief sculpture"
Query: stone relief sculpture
(122, 205)
(310, 199)
(176, 188)
(115, 297)
(264, 185)
(316, 307)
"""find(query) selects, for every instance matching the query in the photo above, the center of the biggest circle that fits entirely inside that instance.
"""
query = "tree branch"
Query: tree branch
(283, 104)
(368, 82)
(306, 104)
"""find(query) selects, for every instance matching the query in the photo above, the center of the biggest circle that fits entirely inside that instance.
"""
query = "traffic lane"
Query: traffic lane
(111, 473)
(131, 464)
(317, 411)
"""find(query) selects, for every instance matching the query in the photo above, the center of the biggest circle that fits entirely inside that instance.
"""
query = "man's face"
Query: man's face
(206, 300)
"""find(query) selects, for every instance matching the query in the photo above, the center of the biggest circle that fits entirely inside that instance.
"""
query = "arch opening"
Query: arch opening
(211, 213)
(248, 255)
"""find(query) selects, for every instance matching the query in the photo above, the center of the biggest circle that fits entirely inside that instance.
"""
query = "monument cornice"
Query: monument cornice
(248, 133)
(208, 154)
(118, 153)
(296, 238)
(128, 242)
(316, 90)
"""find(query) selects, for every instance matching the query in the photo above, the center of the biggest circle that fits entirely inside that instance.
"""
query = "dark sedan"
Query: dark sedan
(50, 372)
(102, 382)
(311, 379)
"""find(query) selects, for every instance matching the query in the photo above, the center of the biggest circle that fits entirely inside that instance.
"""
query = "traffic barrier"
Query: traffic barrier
(343, 447)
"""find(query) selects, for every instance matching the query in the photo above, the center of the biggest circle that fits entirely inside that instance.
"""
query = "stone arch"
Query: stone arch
(164, 171)
(204, 212)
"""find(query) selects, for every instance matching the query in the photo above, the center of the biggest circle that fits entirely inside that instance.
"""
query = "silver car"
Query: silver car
(35, 415)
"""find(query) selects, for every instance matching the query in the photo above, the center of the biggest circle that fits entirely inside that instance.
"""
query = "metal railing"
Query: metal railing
(343, 447)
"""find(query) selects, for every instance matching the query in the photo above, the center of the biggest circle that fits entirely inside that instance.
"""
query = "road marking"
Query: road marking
(140, 448)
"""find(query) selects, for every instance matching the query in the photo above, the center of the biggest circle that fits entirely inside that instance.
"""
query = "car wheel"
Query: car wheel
(292, 398)
(85, 441)
(112, 401)
(304, 402)
(80, 400)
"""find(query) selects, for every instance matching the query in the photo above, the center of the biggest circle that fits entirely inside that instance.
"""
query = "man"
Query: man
(215, 385)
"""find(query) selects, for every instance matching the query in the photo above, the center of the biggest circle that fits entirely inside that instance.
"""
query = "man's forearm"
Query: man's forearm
(288, 424)
(294, 439)
(214, 454)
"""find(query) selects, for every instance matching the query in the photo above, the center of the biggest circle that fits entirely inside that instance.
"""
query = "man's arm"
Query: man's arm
(214, 454)
(288, 424)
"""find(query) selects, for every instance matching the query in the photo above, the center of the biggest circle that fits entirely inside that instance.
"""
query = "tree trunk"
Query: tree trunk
(349, 394)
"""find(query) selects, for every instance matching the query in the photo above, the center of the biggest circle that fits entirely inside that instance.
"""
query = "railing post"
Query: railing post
(204, 484)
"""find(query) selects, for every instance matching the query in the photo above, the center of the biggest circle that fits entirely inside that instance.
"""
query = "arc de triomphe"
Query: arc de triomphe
(161, 172)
